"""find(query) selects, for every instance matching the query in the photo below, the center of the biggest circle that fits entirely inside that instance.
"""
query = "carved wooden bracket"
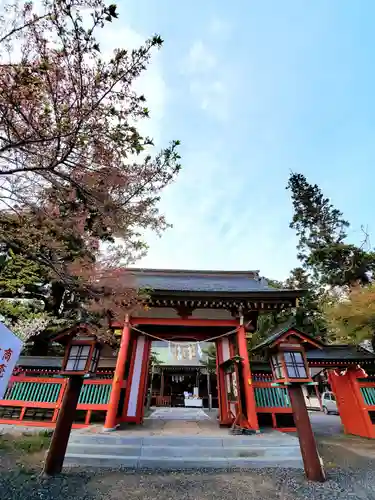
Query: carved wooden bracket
(184, 311)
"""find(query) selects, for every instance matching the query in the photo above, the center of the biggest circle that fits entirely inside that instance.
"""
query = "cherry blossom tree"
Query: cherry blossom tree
(75, 172)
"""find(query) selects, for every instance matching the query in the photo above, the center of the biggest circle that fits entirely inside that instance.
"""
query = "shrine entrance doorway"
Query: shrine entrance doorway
(135, 352)
(183, 374)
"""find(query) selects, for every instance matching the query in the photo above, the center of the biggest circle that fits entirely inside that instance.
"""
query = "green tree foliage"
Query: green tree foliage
(322, 231)
(12, 310)
(307, 315)
(27, 300)
(76, 173)
(154, 359)
(328, 260)
(210, 361)
(351, 316)
(18, 275)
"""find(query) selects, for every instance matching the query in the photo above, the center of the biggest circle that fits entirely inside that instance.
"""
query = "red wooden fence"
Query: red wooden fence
(36, 401)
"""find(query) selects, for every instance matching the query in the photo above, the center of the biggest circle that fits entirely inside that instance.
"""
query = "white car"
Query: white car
(329, 403)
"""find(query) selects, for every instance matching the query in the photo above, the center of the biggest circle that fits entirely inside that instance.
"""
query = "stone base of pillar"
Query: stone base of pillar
(112, 429)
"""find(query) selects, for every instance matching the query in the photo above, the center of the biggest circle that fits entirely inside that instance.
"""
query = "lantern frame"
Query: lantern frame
(85, 361)
(289, 364)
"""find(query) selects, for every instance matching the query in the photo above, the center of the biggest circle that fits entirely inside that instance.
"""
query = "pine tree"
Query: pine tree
(322, 232)
(307, 315)
(329, 263)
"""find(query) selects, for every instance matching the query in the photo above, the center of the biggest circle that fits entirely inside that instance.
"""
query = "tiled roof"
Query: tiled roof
(201, 281)
(343, 352)
(340, 353)
(279, 331)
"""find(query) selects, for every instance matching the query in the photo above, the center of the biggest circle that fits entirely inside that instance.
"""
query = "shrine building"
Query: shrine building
(192, 317)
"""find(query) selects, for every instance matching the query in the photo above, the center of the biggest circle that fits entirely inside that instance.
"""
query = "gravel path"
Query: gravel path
(349, 477)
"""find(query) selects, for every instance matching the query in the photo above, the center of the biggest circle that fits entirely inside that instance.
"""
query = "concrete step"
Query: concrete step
(187, 452)
(183, 451)
(178, 463)
(107, 439)
(198, 441)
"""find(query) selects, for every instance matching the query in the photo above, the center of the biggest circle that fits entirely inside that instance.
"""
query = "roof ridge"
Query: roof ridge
(199, 272)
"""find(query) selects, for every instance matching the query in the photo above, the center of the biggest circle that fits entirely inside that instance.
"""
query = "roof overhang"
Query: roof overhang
(249, 301)
(283, 334)
(259, 294)
(307, 341)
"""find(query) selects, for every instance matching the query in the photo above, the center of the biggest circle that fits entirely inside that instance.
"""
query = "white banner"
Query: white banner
(10, 350)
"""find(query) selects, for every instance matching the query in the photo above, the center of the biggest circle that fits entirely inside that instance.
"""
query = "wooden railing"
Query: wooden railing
(37, 401)
(267, 396)
(368, 392)
(163, 400)
(273, 406)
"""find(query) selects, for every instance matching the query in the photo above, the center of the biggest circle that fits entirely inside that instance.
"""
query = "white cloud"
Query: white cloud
(207, 86)
(218, 225)
(200, 59)
(212, 96)
(219, 28)
(151, 83)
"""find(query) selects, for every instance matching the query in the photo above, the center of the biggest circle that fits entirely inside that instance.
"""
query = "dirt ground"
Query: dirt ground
(23, 451)
(349, 463)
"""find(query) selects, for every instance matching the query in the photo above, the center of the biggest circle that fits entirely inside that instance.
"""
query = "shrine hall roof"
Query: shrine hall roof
(278, 332)
(202, 281)
(325, 353)
(344, 352)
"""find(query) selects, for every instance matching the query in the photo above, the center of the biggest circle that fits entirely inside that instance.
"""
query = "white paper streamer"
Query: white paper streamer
(199, 349)
(169, 350)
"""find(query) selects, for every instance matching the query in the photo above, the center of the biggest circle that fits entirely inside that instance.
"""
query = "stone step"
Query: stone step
(183, 452)
(178, 463)
(198, 441)
(187, 451)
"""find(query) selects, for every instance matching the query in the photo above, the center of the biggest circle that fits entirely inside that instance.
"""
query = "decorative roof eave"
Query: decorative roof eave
(258, 295)
(65, 336)
(324, 363)
(311, 342)
(284, 331)
(342, 362)
(220, 303)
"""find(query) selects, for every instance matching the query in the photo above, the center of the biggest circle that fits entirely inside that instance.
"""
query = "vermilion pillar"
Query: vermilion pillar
(222, 354)
(137, 381)
(350, 403)
(118, 378)
(247, 382)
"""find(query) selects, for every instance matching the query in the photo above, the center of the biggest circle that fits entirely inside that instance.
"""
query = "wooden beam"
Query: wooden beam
(183, 322)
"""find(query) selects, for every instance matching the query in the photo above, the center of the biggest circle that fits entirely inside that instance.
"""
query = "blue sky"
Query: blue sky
(255, 89)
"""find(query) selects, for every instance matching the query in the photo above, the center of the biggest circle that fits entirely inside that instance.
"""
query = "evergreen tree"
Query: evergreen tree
(322, 232)
(210, 361)
(307, 315)
(329, 263)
